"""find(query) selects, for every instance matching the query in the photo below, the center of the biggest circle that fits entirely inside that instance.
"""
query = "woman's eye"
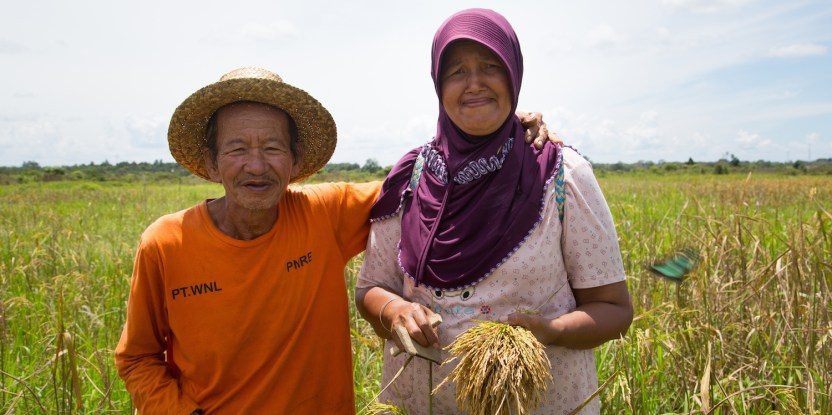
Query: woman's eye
(491, 67)
(455, 73)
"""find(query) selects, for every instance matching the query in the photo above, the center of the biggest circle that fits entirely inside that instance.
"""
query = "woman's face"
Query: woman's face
(476, 92)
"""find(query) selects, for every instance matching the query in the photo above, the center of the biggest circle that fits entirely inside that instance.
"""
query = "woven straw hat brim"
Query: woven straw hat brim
(317, 134)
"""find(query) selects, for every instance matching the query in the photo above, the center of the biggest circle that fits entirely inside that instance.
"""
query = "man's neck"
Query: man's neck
(240, 223)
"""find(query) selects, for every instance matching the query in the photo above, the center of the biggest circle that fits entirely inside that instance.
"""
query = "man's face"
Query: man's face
(254, 159)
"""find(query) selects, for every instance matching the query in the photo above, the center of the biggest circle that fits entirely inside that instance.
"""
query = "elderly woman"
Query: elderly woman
(476, 225)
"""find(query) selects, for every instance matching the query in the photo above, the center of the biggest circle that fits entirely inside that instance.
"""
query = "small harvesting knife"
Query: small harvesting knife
(416, 349)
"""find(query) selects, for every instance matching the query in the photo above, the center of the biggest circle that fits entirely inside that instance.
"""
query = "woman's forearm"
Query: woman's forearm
(602, 314)
(369, 303)
(385, 311)
(590, 325)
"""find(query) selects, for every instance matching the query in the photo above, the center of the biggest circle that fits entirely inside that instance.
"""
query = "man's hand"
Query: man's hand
(536, 129)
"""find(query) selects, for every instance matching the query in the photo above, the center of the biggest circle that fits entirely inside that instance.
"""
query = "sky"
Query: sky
(659, 80)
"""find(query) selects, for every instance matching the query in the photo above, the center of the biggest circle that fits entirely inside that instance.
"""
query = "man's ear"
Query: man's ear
(296, 166)
(211, 166)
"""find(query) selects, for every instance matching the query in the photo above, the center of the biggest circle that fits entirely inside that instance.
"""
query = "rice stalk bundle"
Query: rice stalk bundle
(500, 366)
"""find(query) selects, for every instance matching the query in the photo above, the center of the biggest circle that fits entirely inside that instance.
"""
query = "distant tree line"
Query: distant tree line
(731, 164)
(32, 172)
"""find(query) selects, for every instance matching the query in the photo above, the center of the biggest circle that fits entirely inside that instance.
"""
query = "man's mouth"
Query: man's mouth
(257, 185)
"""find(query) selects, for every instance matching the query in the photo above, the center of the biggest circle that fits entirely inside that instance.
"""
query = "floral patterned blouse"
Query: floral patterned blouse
(581, 251)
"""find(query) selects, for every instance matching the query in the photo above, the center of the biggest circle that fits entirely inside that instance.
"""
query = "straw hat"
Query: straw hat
(316, 128)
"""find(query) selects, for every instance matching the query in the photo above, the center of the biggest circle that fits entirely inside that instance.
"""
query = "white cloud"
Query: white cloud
(420, 126)
(27, 138)
(602, 138)
(27, 130)
(645, 130)
(146, 132)
(744, 137)
(10, 48)
(603, 36)
(787, 94)
(253, 33)
(613, 64)
(789, 111)
(383, 141)
(267, 32)
(752, 140)
(706, 6)
(798, 50)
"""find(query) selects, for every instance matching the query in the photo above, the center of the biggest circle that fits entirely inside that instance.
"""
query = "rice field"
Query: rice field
(749, 331)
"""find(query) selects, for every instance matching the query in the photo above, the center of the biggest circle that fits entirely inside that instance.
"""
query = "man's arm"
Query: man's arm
(350, 217)
(140, 354)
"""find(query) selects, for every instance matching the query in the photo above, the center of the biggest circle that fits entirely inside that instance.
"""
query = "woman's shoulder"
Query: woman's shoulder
(391, 197)
(572, 158)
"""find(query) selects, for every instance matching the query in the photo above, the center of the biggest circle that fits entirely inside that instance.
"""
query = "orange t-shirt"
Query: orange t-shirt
(249, 327)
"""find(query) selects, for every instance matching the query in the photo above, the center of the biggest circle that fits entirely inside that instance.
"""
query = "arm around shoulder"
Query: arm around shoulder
(349, 215)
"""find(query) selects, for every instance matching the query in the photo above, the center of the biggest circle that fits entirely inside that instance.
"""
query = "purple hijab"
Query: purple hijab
(479, 198)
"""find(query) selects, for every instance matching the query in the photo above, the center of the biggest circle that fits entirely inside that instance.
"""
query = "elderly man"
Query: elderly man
(238, 305)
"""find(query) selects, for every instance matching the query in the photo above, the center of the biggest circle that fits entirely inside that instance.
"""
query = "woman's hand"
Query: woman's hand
(536, 130)
(414, 318)
(385, 311)
(602, 314)
(541, 327)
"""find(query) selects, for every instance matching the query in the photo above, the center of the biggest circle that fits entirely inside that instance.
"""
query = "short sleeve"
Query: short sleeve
(381, 264)
(590, 243)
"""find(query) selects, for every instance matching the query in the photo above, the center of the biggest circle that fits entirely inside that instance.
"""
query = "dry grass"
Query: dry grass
(502, 370)
(761, 297)
(749, 330)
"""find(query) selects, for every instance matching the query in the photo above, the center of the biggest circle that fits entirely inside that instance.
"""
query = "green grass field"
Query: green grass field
(748, 332)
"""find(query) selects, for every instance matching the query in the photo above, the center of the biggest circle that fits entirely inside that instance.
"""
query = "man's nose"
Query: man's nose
(256, 162)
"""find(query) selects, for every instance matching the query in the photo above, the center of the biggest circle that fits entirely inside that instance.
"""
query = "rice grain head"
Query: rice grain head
(500, 366)
(378, 408)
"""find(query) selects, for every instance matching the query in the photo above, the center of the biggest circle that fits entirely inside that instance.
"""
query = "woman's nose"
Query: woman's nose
(474, 80)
